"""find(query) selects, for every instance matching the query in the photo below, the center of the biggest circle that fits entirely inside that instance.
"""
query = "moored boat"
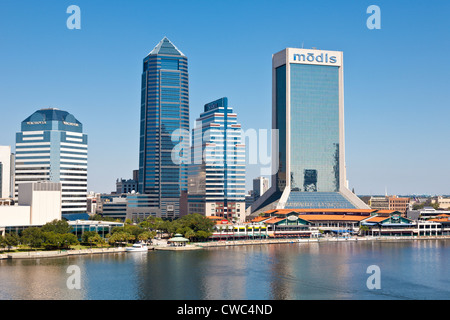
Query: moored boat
(137, 247)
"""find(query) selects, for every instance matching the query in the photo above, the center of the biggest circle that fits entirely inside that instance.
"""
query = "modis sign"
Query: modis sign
(318, 57)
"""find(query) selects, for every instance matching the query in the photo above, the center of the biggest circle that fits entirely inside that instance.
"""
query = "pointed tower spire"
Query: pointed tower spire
(165, 46)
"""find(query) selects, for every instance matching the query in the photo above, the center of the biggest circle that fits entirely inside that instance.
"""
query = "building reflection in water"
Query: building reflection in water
(38, 279)
(409, 269)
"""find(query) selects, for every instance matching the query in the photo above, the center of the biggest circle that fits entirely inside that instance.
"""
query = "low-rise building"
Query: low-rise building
(389, 223)
(379, 203)
(38, 204)
(115, 208)
(225, 230)
(444, 203)
(390, 203)
(126, 186)
(101, 227)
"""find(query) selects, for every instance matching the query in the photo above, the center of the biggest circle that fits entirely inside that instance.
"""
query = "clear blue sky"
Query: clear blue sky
(397, 79)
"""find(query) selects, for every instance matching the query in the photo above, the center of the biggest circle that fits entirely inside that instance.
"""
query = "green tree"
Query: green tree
(86, 235)
(203, 235)
(11, 240)
(99, 217)
(57, 226)
(146, 235)
(69, 239)
(118, 237)
(92, 237)
(190, 234)
(51, 240)
(363, 230)
(32, 237)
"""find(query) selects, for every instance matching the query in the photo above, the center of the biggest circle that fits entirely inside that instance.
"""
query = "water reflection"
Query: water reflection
(409, 270)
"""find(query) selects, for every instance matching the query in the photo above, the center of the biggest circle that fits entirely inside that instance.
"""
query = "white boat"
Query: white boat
(137, 247)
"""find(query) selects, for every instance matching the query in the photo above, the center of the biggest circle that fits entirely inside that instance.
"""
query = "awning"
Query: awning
(341, 231)
(369, 224)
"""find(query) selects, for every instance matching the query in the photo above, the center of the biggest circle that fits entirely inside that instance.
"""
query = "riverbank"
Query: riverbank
(204, 245)
(318, 240)
(58, 253)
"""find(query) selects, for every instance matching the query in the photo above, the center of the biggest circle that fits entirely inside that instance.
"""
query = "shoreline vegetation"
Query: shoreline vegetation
(204, 245)
(55, 239)
(58, 234)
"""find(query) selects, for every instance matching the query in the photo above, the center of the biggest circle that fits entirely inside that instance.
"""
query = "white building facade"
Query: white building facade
(52, 147)
(6, 173)
(38, 204)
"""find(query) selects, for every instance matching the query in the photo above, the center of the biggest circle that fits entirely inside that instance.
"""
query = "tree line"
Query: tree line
(58, 233)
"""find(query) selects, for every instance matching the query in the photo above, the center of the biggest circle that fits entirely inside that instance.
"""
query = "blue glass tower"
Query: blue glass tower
(308, 112)
(52, 147)
(164, 127)
(217, 172)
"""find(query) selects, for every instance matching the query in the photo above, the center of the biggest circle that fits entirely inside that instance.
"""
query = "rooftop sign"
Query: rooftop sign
(317, 57)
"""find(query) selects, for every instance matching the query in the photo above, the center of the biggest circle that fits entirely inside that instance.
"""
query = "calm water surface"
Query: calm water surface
(409, 270)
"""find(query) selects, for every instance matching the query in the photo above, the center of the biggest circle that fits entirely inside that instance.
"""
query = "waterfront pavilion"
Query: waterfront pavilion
(177, 241)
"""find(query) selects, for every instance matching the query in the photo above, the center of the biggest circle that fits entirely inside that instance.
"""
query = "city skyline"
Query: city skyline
(94, 76)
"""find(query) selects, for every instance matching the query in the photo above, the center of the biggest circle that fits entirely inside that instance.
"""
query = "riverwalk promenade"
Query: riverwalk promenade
(317, 240)
(205, 245)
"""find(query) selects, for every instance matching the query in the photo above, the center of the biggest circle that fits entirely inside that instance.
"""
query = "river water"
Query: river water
(334, 270)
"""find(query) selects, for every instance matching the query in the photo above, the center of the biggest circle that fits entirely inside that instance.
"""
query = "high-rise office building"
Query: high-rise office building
(164, 127)
(52, 147)
(217, 171)
(260, 186)
(6, 172)
(308, 112)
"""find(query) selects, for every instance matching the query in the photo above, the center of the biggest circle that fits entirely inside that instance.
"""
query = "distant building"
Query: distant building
(92, 203)
(126, 186)
(6, 172)
(164, 117)
(115, 208)
(38, 204)
(430, 212)
(396, 203)
(399, 203)
(308, 112)
(444, 203)
(51, 146)
(249, 198)
(140, 207)
(379, 203)
(217, 173)
(260, 186)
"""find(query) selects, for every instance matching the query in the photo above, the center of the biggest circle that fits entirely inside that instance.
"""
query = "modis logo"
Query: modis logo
(310, 57)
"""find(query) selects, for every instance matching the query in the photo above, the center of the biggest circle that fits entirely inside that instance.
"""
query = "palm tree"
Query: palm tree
(364, 229)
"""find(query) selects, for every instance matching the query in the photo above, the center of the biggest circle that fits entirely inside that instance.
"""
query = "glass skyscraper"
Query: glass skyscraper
(217, 171)
(52, 147)
(308, 112)
(164, 128)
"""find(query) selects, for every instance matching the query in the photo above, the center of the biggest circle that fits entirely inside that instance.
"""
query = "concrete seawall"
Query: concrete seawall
(196, 246)
(58, 253)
